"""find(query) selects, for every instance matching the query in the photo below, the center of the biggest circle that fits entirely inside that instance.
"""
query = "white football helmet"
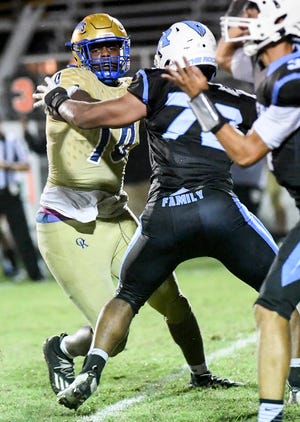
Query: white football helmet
(275, 20)
(190, 39)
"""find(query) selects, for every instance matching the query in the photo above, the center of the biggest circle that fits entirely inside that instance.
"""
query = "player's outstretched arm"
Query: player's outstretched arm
(118, 112)
(111, 113)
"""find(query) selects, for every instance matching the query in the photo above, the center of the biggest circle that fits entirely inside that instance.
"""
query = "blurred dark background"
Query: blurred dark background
(33, 36)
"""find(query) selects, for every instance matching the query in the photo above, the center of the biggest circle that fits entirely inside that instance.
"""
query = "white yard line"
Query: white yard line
(118, 407)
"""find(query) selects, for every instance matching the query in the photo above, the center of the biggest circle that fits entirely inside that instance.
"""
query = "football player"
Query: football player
(190, 196)
(84, 224)
(232, 57)
(268, 37)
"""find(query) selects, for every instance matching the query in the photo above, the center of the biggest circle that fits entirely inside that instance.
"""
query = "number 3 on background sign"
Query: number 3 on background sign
(22, 89)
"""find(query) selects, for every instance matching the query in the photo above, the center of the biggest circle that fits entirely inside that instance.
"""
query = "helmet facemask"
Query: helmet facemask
(96, 30)
(275, 20)
(108, 68)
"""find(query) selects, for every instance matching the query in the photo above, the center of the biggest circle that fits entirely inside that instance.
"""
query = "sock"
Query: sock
(63, 348)
(199, 369)
(270, 411)
(99, 352)
(294, 375)
(95, 362)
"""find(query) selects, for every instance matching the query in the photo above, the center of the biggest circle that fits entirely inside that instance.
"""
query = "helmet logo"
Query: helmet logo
(81, 27)
(196, 26)
(164, 38)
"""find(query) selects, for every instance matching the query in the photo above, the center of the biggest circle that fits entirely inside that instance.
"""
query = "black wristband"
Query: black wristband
(216, 128)
(56, 97)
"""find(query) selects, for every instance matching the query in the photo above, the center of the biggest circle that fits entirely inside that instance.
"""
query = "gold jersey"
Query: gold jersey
(87, 160)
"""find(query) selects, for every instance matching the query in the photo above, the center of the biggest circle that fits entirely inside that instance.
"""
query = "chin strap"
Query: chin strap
(208, 116)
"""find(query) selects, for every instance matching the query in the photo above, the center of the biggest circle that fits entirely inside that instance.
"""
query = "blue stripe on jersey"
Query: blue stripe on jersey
(280, 83)
(127, 134)
(256, 224)
(291, 268)
(126, 140)
(178, 99)
(99, 148)
(145, 85)
(279, 62)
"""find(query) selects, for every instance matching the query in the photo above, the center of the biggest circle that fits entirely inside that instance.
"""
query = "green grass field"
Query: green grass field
(149, 380)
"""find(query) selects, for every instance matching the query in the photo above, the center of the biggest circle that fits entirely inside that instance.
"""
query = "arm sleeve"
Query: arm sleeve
(276, 124)
(241, 66)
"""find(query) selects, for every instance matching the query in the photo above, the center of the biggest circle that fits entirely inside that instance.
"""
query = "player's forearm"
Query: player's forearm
(90, 115)
(244, 150)
(114, 113)
(86, 114)
(80, 114)
(224, 54)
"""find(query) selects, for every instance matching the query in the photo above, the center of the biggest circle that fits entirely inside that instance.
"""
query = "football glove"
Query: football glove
(51, 95)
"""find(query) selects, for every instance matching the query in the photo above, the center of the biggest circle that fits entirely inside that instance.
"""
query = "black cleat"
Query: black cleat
(208, 380)
(60, 367)
(79, 391)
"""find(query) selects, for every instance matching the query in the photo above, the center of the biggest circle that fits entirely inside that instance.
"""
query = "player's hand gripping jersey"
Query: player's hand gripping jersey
(86, 167)
(181, 154)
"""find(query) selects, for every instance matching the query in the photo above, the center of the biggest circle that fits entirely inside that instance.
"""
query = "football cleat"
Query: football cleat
(294, 397)
(79, 391)
(208, 380)
(60, 367)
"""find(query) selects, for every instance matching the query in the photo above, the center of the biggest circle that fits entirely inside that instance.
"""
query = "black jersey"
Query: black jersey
(181, 154)
(281, 87)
